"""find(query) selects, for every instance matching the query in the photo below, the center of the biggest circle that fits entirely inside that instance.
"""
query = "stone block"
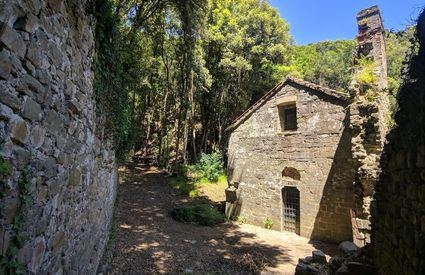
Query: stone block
(21, 156)
(12, 40)
(319, 257)
(58, 241)
(53, 122)
(37, 254)
(75, 176)
(11, 208)
(5, 112)
(5, 65)
(9, 98)
(50, 167)
(348, 247)
(19, 130)
(28, 84)
(28, 23)
(4, 241)
(32, 110)
(37, 136)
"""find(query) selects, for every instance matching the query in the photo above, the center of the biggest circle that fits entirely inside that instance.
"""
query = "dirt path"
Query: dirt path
(149, 241)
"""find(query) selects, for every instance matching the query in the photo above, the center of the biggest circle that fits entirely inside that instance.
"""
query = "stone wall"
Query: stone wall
(47, 126)
(320, 151)
(399, 212)
(368, 119)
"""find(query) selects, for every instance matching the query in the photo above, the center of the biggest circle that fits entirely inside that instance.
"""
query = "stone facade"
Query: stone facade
(48, 126)
(316, 159)
(399, 199)
(368, 118)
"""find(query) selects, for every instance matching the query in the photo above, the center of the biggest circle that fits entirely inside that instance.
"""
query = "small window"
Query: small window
(288, 117)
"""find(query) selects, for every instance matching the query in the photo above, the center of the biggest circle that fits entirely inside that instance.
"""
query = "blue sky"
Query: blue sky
(316, 20)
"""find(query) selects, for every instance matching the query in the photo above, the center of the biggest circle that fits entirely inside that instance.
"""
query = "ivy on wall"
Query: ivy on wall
(9, 263)
(109, 88)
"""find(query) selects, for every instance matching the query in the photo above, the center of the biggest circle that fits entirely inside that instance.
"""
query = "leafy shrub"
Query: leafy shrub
(210, 166)
(268, 223)
(203, 214)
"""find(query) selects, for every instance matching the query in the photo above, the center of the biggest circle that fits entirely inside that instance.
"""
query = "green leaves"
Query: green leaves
(210, 166)
(327, 63)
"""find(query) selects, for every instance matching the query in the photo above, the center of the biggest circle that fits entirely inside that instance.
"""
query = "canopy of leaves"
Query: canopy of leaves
(171, 75)
(327, 63)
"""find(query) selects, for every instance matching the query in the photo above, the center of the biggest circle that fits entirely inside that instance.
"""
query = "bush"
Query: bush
(203, 214)
(210, 166)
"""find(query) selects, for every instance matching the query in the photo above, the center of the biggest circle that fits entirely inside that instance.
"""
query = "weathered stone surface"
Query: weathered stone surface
(348, 247)
(12, 40)
(5, 65)
(5, 112)
(398, 206)
(9, 98)
(22, 156)
(306, 269)
(37, 136)
(319, 257)
(11, 208)
(75, 176)
(19, 130)
(32, 110)
(27, 23)
(58, 241)
(50, 167)
(28, 84)
(38, 254)
(47, 126)
(368, 118)
(4, 241)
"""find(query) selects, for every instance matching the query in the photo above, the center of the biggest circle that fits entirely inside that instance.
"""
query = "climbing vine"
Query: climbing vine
(109, 88)
(4, 173)
(9, 263)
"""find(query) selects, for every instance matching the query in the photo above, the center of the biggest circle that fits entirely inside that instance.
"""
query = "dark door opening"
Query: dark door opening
(291, 209)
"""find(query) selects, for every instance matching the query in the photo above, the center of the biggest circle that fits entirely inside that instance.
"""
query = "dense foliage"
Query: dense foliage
(210, 166)
(398, 46)
(172, 75)
(328, 63)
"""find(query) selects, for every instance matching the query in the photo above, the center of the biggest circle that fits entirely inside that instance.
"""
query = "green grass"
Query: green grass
(203, 214)
(183, 186)
(196, 186)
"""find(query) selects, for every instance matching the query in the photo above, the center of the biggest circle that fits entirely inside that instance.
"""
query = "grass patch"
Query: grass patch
(203, 214)
(184, 186)
(191, 183)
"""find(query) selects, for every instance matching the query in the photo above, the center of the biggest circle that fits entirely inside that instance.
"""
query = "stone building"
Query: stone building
(57, 198)
(290, 160)
(307, 156)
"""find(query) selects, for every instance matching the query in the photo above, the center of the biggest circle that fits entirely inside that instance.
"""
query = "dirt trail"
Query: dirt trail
(149, 241)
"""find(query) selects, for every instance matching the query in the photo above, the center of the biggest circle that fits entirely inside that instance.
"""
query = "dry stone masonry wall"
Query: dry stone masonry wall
(368, 115)
(399, 212)
(47, 127)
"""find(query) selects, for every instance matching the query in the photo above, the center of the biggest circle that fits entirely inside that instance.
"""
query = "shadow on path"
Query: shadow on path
(149, 241)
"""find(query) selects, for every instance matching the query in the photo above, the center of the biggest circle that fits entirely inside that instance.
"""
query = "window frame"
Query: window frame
(282, 113)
